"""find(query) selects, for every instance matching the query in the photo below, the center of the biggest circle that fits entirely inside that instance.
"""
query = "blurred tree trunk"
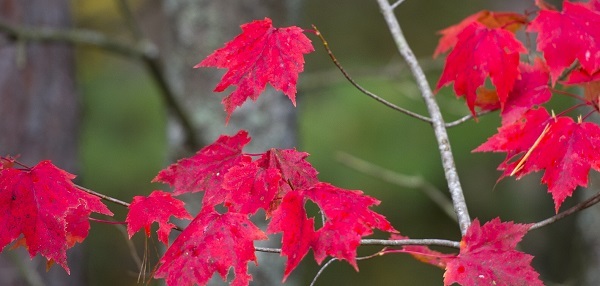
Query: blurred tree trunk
(39, 111)
(195, 28)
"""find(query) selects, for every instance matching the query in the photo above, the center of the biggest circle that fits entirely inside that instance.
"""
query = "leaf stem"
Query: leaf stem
(439, 127)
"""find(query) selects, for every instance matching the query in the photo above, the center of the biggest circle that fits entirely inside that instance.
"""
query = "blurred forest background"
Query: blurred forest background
(124, 141)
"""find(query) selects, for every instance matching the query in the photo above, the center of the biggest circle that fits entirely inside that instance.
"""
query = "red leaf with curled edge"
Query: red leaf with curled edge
(44, 205)
(567, 36)
(348, 219)
(488, 256)
(298, 230)
(157, 207)
(205, 170)
(212, 243)
(566, 150)
(506, 20)
(246, 187)
(481, 52)
(530, 90)
(260, 54)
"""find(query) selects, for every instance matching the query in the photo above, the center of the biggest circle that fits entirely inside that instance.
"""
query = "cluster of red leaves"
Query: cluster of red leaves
(42, 210)
(278, 181)
(484, 46)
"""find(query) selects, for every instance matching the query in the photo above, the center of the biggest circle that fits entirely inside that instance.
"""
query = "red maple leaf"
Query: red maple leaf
(506, 20)
(246, 187)
(212, 243)
(348, 219)
(590, 83)
(260, 54)
(566, 150)
(298, 230)
(44, 205)
(157, 207)
(481, 52)
(568, 35)
(205, 170)
(530, 90)
(488, 257)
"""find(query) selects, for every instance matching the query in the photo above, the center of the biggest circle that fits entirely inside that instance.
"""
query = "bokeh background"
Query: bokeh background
(124, 140)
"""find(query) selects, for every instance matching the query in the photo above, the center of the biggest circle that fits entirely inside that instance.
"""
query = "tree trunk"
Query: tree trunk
(39, 111)
(195, 28)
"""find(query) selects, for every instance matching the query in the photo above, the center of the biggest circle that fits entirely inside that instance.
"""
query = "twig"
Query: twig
(379, 253)
(102, 196)
(413, 182)
(395, 5)
(458, 199)
(579, 207)
(362, 89)
(312, 283)
(466, 118)
(143, 50)
(386, 242)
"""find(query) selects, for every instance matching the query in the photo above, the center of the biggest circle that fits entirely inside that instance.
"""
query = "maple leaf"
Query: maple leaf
(348, 218)
(566, 150)
(568, 35)
(205, 170)
(212, 243)
(506, 20)
(157, 207)
(44, 205)
(530, 90)
(246, 187)
(488, 257)
(260, 54)
(482, 52)
(298, 230)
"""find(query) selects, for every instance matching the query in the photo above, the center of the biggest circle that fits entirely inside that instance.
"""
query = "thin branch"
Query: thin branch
(312, 283)
(395, 5)
(143, 50)
(413, 182)
(102, 196)
(579, 207)
(439, 126)
(362, 89)
(269, 250)
(466, 118)
(387, 242)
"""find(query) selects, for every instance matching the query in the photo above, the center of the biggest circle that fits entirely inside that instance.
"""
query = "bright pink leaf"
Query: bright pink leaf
(246, 187)
(566, 150)
(348, 219)
(260, 54)
(157, 207)
(212, 243)
(488, 256)
(567, 36)
(298, 230)
(422, 253)
(530, 90)
(43, 205)
(205, 170)
(481, 52)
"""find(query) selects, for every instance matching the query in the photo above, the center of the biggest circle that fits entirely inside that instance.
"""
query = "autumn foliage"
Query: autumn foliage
(487, 64)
